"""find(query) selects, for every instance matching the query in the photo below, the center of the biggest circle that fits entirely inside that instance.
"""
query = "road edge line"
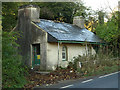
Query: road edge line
(109, 74)
(66, 86)
(87, 81)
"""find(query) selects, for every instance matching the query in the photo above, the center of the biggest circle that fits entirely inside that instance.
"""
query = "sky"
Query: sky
(99, 4)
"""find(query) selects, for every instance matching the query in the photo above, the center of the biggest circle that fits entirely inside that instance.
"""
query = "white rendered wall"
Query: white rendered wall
(73, 50)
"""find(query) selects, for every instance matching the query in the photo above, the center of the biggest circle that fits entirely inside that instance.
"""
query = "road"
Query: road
(106, 81)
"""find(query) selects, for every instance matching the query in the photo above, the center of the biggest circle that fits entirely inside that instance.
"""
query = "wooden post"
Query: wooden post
(58, 55)
(86, 49)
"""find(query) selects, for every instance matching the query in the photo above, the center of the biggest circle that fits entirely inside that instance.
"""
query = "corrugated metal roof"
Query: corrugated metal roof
(67, 32)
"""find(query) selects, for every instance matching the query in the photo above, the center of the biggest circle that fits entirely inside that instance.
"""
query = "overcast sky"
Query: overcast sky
(98, 4)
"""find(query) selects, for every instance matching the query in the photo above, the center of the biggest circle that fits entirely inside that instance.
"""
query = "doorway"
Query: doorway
(35, 54)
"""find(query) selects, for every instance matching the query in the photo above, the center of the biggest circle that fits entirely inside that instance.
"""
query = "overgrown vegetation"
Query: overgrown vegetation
(106, 60)
(13, 72)
(101, 63)
(109, 31)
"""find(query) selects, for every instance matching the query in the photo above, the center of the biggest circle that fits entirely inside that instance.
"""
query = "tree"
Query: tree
(13, 73)
(59, 11)
(95, 18)
(91, 24)
(109, 31)
(9, 13)
(101, 15)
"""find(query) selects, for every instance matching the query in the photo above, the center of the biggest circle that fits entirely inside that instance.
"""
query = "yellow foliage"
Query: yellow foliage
(89, 26)
(60, 19)
(13, 13)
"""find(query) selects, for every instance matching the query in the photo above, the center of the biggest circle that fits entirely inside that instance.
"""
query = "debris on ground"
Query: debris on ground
(38, 79)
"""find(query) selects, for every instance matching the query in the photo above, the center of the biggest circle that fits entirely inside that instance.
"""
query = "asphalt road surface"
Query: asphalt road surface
(106, 81)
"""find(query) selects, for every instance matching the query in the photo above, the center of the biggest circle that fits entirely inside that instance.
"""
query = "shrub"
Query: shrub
(95, 64)
(12, 69)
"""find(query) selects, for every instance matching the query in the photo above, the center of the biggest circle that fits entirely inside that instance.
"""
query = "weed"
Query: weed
(101, 63)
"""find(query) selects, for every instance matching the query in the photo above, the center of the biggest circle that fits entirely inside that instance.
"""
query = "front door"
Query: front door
(35, 54)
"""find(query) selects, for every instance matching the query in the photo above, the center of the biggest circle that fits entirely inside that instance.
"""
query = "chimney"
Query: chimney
(29, 13)
(26, 14)
(78, 21)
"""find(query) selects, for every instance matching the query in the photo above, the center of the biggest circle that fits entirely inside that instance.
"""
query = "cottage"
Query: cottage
(46, 43)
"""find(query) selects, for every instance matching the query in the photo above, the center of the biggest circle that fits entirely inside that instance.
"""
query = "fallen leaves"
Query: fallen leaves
(37, 79)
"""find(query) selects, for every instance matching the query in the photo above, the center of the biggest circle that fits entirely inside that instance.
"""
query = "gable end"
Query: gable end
(51, 38)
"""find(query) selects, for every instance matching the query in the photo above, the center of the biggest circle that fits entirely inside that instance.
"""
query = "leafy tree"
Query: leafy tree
(109, 31)
(9, 13)
(60, 11)
(13, 73)
(101, 15)
(95, 17)
(91, 24)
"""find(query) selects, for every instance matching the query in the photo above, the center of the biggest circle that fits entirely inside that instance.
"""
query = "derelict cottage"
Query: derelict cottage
(46, 43)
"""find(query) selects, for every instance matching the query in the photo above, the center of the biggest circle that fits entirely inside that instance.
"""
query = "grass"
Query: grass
(99, 71)
(98, 64)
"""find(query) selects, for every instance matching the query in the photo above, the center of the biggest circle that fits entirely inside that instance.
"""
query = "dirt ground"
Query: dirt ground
(37, 79)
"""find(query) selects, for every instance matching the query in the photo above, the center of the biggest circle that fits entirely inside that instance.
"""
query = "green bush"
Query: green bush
(13, 71)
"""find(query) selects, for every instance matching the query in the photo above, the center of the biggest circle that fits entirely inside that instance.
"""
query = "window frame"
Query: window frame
(64, 52)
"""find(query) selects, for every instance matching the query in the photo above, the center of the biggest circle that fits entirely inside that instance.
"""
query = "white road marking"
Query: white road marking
(67, 86)
(87, 81)
(90, 80)
(108, 75)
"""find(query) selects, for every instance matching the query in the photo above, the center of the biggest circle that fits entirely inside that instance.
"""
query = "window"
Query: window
(36, 48)
(64, 53)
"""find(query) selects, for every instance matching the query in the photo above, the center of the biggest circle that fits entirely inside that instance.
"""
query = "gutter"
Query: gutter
(97, 43)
